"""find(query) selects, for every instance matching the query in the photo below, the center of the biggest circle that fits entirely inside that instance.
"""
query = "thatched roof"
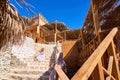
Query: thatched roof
(108, 17)
(70, 34)
(109, 14)
(11, 24)
(60, 26)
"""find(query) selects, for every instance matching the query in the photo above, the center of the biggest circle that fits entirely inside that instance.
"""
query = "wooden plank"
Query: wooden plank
(60, 72)
(110, 64)
(65, 36)
(83, 38)
(85, 71)
(115, 63)
(38, 29)
(98, 73)
(95, 17)
(111, 51)
(107, 73)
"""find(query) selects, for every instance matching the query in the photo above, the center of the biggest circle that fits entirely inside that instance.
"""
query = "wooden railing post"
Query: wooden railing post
(83, 37)
(111, 51)
(98, 72)
(110, 66)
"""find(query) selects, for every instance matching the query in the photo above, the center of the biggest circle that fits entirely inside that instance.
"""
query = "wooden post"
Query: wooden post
(98, 73)
(97, 30)
(38, 27)
(83, 38)
(95, 18)
(111, 51)
(65, 35)
(55, 35)
(44, 37)
(110, 66)
(60, 72)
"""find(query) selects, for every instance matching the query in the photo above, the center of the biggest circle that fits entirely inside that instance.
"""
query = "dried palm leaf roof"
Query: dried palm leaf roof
(108, 17)
(60, 26)
(72, 34)
(109, 14)
(11, 24)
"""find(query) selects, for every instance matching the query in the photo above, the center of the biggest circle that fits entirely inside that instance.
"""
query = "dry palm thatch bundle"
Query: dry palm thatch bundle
(11, 25)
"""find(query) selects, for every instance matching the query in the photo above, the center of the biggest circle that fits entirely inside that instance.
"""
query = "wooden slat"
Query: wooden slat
(95, 17)
(83, 38)
(108, 74)
(110, 64)
(60, 72)
(115, 63)
(111, 51)
(85, 71)
(98, 73)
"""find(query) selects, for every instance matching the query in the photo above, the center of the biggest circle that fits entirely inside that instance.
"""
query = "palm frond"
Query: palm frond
(11, 25)
(26, 4)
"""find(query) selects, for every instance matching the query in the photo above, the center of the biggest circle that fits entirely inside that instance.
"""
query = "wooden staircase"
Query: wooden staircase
(99, 62)
(102, 63)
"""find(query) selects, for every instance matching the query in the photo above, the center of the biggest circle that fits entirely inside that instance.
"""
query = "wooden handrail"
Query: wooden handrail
(88, 67)
(88, 50)
(60, 72)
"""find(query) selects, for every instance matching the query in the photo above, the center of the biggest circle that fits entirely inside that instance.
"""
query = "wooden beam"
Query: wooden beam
(98, 73)
(110, 64)
(55, 39)
(111, 51)
(38, 27)
(95, 17)
(60, 72)
(65, 35)
(107, 73)
(85, 71)
(115, 63)
(55, 34)
(83, 37)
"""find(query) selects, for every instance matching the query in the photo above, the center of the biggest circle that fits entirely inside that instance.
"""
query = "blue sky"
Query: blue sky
(71, 12)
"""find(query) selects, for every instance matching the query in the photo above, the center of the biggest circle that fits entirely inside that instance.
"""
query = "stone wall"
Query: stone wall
(26, 68)
(5, 59)
(20, 62)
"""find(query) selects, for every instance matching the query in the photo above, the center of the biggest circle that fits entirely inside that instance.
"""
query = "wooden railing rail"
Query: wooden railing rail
(94, 62)
(60, 72)
(88, 50)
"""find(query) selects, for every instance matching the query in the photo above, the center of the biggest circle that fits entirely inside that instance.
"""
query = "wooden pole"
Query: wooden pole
(55, 35)
(97, 31)
(83, 38)
(38, 27)
(65, 35)
(95, 17)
